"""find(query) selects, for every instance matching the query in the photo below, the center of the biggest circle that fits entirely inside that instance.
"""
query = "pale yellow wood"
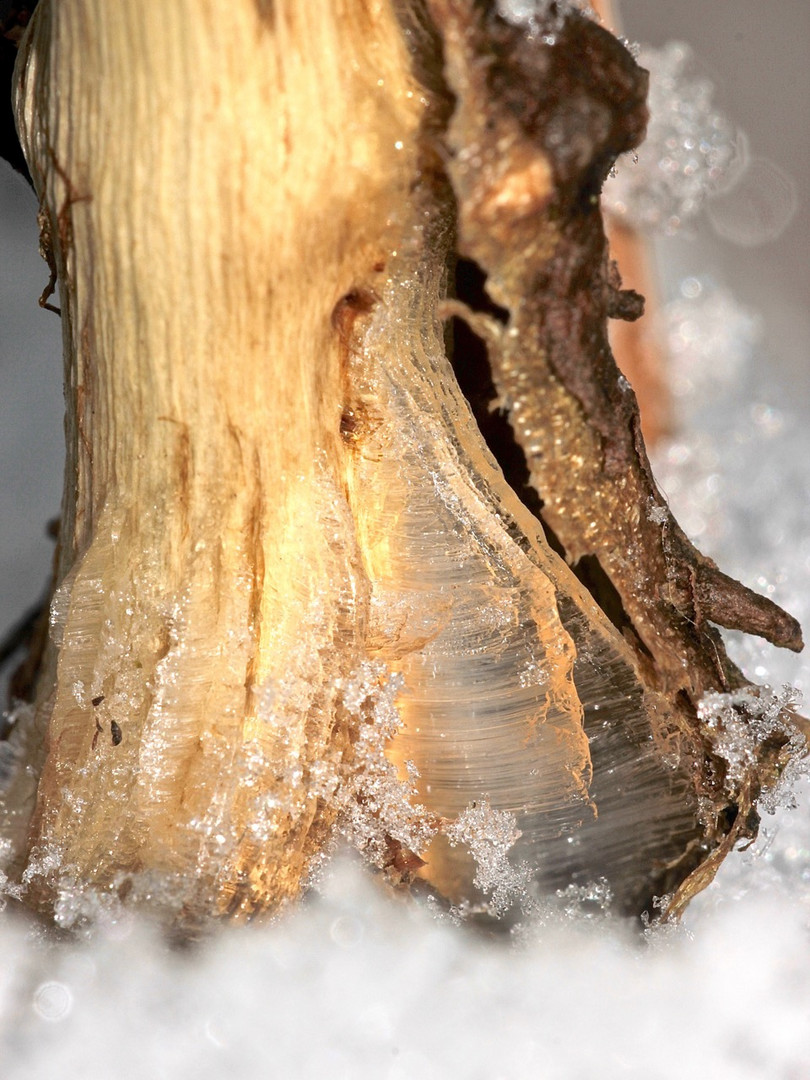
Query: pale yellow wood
(208, 562)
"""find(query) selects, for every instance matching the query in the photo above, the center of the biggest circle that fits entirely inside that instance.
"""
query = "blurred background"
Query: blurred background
(755, 54)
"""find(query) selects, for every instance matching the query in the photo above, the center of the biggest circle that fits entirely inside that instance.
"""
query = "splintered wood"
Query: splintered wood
(298, 592)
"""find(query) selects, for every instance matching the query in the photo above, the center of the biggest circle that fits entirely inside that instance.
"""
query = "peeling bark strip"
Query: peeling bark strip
(543, 252)
(290, 568)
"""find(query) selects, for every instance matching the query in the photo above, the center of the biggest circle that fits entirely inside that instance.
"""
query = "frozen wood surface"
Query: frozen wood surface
(289, 562)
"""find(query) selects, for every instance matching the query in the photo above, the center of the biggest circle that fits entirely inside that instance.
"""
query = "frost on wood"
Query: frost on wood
(740, 724)
(306, 585)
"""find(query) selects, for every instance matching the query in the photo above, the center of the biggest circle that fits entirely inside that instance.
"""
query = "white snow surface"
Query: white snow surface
(355, 984)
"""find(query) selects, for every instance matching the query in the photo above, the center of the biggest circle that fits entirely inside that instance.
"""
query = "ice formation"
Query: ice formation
(357, 985)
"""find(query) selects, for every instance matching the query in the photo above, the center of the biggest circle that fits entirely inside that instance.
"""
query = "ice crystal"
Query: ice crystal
(740, 723)
(657, 514)
(691, 149)
(79, 908)
(543, 17)
(8, 889)
(661, 930)
(376, 805)
(586, 901)
(489, 834)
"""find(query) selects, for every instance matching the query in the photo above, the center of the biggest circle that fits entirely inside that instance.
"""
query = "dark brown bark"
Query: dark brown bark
(537, 322)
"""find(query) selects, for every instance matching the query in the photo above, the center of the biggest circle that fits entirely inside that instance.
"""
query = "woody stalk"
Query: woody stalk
(284, 241)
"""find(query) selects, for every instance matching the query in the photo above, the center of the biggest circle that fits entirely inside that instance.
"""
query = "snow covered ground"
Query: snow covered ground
(359, 984)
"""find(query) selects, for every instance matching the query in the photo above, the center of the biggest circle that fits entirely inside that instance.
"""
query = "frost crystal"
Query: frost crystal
(586, 901)
(691, 149)
(544, 17)
(7, 887)
(740, 723)
(489, 835)
(376, 807)
(657, 515)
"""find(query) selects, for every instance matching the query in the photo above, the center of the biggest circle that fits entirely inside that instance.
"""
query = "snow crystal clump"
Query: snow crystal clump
(376, 807)
(591, 901)
(740, 723)
(489, 835)
(691, 149)
(545, 17)
(658, 515)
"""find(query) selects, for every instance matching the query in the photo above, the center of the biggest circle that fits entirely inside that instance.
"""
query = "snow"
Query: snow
(691, 149)
(357, 985)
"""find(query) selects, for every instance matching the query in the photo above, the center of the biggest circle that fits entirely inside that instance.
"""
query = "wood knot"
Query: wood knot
(352, 304)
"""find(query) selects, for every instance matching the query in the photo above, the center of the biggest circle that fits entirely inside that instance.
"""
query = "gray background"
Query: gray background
(755, 53)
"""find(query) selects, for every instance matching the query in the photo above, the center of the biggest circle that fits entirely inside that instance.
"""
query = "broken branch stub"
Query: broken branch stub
(296, 593)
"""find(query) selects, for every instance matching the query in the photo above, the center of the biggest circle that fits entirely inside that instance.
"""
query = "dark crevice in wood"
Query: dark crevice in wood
(591, 573)
(473, 371)
(471, 289)
(471, 365)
